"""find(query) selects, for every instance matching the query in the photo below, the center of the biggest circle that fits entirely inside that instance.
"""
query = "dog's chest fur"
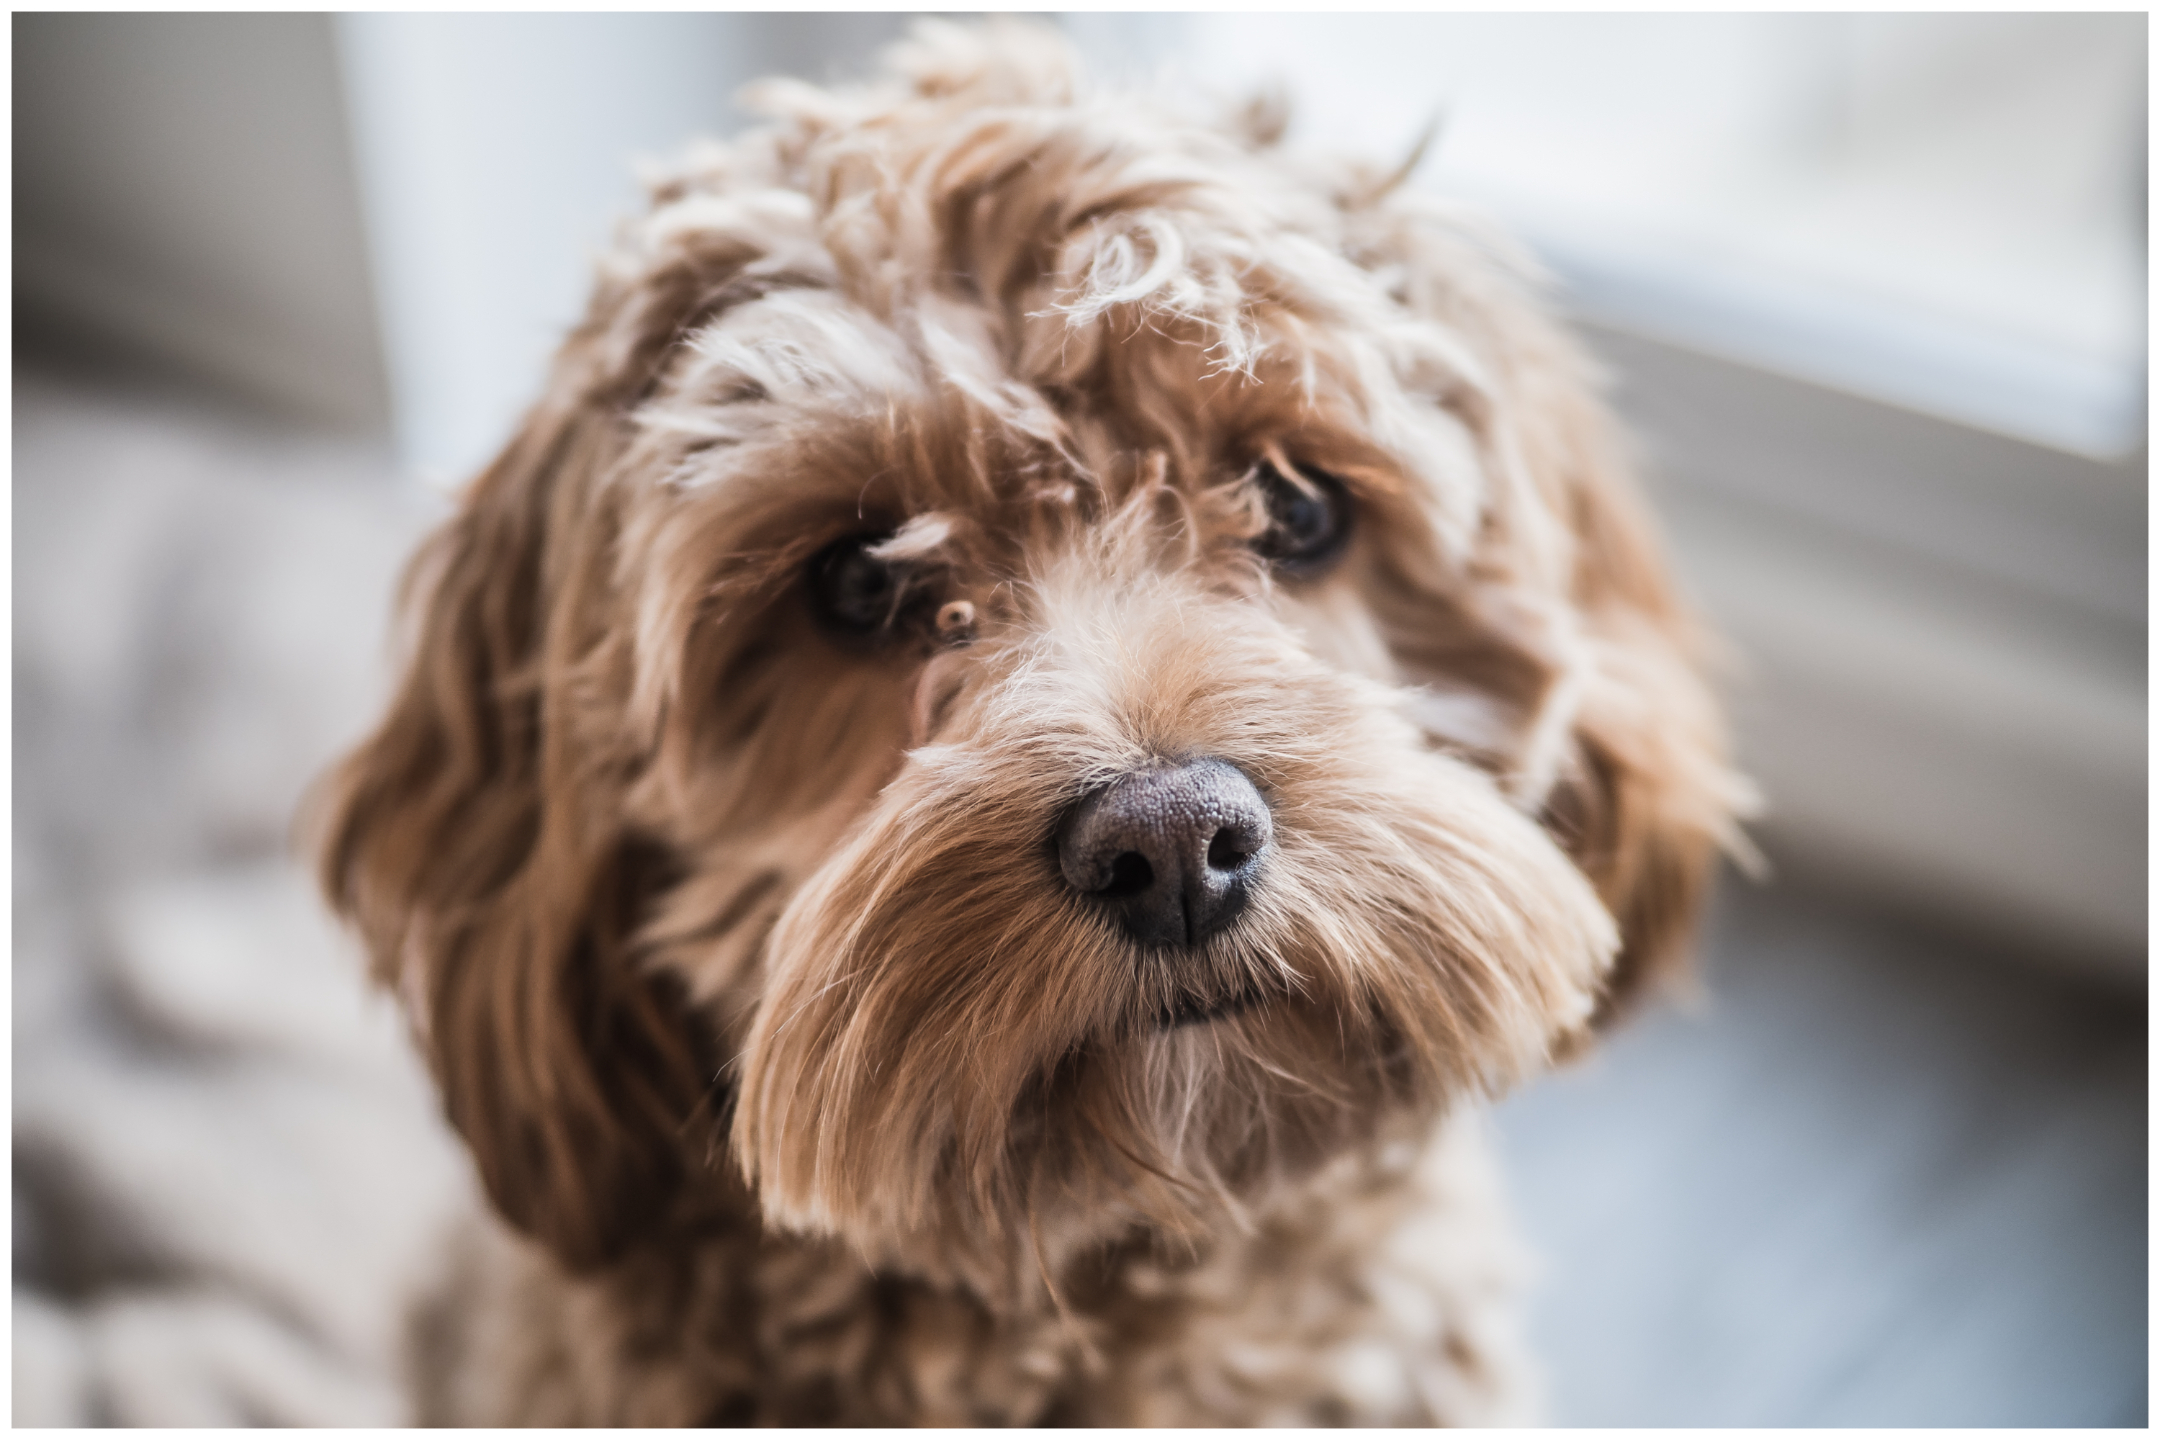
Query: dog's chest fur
(1378, 1295)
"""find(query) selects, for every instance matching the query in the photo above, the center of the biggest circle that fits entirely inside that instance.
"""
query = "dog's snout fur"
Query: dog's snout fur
(1172, 853)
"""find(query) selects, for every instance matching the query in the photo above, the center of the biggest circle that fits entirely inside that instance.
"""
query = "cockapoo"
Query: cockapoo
(1051, 697)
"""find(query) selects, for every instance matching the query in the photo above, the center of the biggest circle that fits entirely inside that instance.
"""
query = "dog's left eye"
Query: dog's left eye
(1308, 518)
(852, 590)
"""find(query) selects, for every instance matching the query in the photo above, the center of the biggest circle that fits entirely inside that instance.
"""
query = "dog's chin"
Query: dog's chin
(1192, 1010)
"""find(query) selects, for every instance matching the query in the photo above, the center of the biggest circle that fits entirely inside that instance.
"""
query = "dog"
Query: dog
(1049, 700)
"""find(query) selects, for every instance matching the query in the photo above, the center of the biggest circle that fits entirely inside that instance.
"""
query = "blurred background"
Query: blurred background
(1871, 290)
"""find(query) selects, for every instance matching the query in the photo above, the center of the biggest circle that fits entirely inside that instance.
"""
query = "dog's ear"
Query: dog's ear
(1573, 621)
(477, 840)
(1645, 798)
(472, 841)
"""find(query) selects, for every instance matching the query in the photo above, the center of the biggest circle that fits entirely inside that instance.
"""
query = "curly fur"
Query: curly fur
(813, 1092)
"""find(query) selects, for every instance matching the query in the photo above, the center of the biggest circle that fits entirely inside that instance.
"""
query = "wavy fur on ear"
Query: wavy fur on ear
(918, 472)
(479, 841)
(490, 875)
(1574, 624)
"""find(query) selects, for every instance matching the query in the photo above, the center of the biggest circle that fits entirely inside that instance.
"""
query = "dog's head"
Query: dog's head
(1038, 666)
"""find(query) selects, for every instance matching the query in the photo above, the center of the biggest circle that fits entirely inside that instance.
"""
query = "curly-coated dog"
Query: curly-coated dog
(1048, 700)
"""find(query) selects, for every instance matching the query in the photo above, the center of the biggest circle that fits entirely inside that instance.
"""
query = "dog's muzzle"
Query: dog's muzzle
(1170, 853)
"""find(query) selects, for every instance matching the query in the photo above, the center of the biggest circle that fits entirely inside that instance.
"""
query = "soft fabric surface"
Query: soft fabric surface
(228, 1170)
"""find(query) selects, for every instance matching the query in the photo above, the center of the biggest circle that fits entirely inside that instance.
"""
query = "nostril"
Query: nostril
(1130, 874)
(1228, 850)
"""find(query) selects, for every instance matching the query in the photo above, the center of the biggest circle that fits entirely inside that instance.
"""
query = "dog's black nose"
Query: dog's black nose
(1171, 852)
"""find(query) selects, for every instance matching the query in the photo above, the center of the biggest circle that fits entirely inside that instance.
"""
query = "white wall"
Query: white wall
(1943, 211)
(496, 152)
(184, 192)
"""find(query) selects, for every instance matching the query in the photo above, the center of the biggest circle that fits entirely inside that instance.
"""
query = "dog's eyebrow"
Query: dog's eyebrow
(920, 536)
(750, 285)
(789, 345)
(744, 287)
(695, 300)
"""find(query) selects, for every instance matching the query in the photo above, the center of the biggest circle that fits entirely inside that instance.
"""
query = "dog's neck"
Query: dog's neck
(719, 1319)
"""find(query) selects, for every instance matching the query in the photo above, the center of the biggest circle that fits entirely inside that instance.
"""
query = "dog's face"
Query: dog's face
(1037, 668)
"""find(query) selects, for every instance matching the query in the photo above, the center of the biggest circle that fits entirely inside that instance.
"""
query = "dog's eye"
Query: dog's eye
(1308, 519)
(852, 590)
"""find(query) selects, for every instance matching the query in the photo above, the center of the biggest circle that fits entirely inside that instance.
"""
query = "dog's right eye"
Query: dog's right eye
(852, 590)
(1308, 519)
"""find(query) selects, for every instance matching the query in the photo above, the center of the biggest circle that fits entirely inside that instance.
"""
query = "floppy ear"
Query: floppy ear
(477, 839)
(1570, 617)
(1645, 798)
(472, 841)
